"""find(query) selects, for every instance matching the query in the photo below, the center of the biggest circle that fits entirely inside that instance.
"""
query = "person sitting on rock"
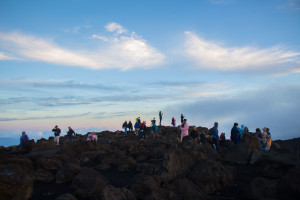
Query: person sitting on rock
(215, 136)
(57, 132)
(70, 133)
(194, 134)
(184, 129)
(23, 139)
(92, 137)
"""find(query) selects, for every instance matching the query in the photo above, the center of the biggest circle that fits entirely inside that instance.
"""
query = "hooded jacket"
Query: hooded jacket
(184, 130)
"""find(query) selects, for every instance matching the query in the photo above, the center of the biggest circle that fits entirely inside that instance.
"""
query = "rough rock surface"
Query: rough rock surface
(123, 167)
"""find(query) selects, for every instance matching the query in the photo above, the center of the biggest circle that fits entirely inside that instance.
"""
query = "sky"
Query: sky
(92, 64)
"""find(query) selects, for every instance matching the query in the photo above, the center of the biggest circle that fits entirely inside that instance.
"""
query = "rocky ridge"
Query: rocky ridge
(123, 167)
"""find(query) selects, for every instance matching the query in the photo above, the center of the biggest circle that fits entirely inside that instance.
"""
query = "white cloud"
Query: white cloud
(3, 56)
(123, 52)
(211, 55)
(115, 27)
(103, 38)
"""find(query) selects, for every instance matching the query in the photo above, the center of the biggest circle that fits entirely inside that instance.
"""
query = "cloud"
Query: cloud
(103, 38)
(275, 107)
(115, 27)
(3, 119)
(210, 55)
(187, 84)
(3, 56)
(122, 52)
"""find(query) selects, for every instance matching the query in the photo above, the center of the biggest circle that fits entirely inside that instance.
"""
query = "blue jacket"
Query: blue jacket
(136, 125)
(215, 132)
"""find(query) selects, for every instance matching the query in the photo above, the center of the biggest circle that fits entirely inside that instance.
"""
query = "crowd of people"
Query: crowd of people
(140, 130)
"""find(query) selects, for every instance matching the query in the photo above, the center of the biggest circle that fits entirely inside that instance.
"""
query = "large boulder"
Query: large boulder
(111, 192)
(66, 173)
(89, 184)
(210, 176)
(15, 185)
(242, 152)
(143, 185)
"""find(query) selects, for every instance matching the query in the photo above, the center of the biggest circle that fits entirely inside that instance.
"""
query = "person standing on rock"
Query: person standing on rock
(23, 139)
(142, 130)
(125, 126)
(215, 136)
(136, 127)
(202, 137)
(70, 133)
(173, 121)
(234, 133)
(194, 133)
(160, 117)
(155, 130)
(184, 127)
(181, 117)
(57, 132)
(130, 128)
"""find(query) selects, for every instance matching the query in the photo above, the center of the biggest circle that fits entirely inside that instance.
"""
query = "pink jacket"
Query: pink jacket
(184, 130)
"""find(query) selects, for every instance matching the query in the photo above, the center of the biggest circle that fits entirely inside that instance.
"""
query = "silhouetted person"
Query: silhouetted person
(160, 117)
(235, 133)
(70, 133)
(215, 136)
(23, 139)
(57, 132)
(125, 126)
(130, 128)
(181, 117)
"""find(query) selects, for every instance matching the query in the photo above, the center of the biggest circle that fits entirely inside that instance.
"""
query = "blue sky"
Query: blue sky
(93, 64)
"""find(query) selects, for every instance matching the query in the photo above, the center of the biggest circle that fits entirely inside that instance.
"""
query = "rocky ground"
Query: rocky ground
(122, 167)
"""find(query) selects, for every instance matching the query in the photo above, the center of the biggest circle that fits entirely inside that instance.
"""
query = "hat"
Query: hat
(265, 129)
(195, 128)
(23, 132)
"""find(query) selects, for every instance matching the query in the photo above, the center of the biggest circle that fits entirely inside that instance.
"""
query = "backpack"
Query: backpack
(210, 131)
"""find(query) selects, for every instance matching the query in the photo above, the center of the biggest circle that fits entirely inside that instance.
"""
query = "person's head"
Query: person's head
(195, 128)
(56, 126)
(23, 132)
(235, 124)
(246, 128)
(258, 130)
(216, 124)
(184, 121)
(69, 127)
(242, 126)
(265, 129)
(268, 130)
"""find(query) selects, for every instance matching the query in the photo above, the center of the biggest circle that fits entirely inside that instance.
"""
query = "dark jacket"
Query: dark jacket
(56, 131)
(71, 132)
